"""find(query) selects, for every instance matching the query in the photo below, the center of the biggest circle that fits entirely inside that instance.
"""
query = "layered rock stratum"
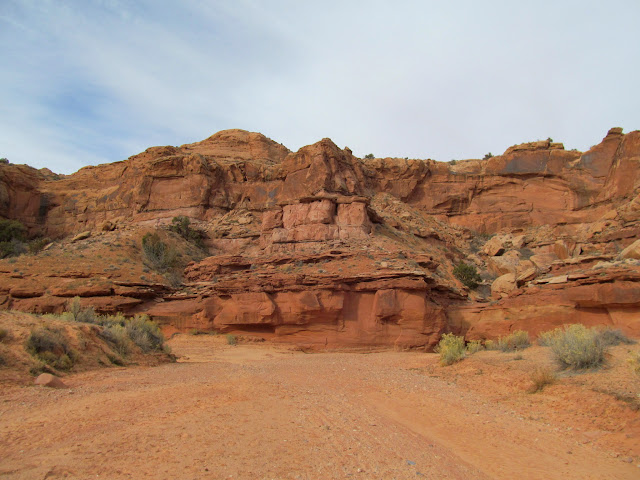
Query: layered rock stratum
(324, 249)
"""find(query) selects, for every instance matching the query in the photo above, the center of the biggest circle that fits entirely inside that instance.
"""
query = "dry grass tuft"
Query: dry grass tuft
(517, 340)
(634, 362)
(540, 378)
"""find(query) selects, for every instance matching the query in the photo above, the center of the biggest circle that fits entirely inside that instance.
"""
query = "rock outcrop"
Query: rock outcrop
(324, 249)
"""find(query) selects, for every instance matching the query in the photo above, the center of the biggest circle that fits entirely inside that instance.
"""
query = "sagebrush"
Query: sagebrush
(517, 340)
(577, 346)
(51, 347)
(474, 346)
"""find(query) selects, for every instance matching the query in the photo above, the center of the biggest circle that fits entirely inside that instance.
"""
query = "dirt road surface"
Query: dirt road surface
(261, 412)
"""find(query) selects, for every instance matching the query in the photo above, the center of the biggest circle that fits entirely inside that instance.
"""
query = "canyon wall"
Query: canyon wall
(321, 248)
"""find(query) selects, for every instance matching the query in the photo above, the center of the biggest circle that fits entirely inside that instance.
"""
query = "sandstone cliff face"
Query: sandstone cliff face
(324, 249)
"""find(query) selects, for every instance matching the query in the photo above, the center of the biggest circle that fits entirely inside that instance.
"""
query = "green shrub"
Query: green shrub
(145, 333)
(474, 346)
(51, 347)
(610, 337)
(182, 226)
(578, 347)
(451, 349)
(369, 155)
(157, 254)
(517, 340)
(12, 230)
(467, 274)
(232, 339)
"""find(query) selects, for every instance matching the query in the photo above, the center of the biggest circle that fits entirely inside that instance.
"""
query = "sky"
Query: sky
(85, 82)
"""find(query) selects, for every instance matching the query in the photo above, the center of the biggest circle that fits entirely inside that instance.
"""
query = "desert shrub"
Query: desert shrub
(467, 274)
(4, 161)
(182, 226)
(117, 336)
(491, 345)
(474, 346)
(145, 333)
(610, 337)
(4, 333)
(78, 313)
(12, 237)
(157, 254)
(634, 362)
(487, 156)
(37, 244)
(578, 347)
(369, 155)
(12, 248)
(232, 339)
(174, 279)
(12, 230)
(545, 339)
(51, 347)
(451, 349)
(517, 340)
(540, 378)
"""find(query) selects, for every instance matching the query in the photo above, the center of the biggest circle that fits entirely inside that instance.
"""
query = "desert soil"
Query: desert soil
(258, 411)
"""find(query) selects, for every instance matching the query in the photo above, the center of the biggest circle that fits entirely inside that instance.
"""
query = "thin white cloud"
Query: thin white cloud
(92, 82)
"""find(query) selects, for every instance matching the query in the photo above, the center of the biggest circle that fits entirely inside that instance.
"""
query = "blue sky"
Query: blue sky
(93, 81)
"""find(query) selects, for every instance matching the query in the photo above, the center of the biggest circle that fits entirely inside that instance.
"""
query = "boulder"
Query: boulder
(507, 263)
(494, 247)
(526, 276)
(632, 251)
(502, 285)
(48, 380)
(81, 236)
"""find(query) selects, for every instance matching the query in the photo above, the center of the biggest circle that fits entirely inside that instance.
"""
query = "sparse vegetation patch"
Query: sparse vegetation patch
(610, 337)
(182, 226)
(157, 254)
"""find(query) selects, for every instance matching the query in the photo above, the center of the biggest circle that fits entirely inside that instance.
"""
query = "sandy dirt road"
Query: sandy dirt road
(260, 412)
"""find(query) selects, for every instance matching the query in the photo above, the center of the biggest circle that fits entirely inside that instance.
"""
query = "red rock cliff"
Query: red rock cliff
(322, 248)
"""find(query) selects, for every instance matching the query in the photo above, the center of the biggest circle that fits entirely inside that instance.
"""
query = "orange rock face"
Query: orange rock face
(323, 249)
